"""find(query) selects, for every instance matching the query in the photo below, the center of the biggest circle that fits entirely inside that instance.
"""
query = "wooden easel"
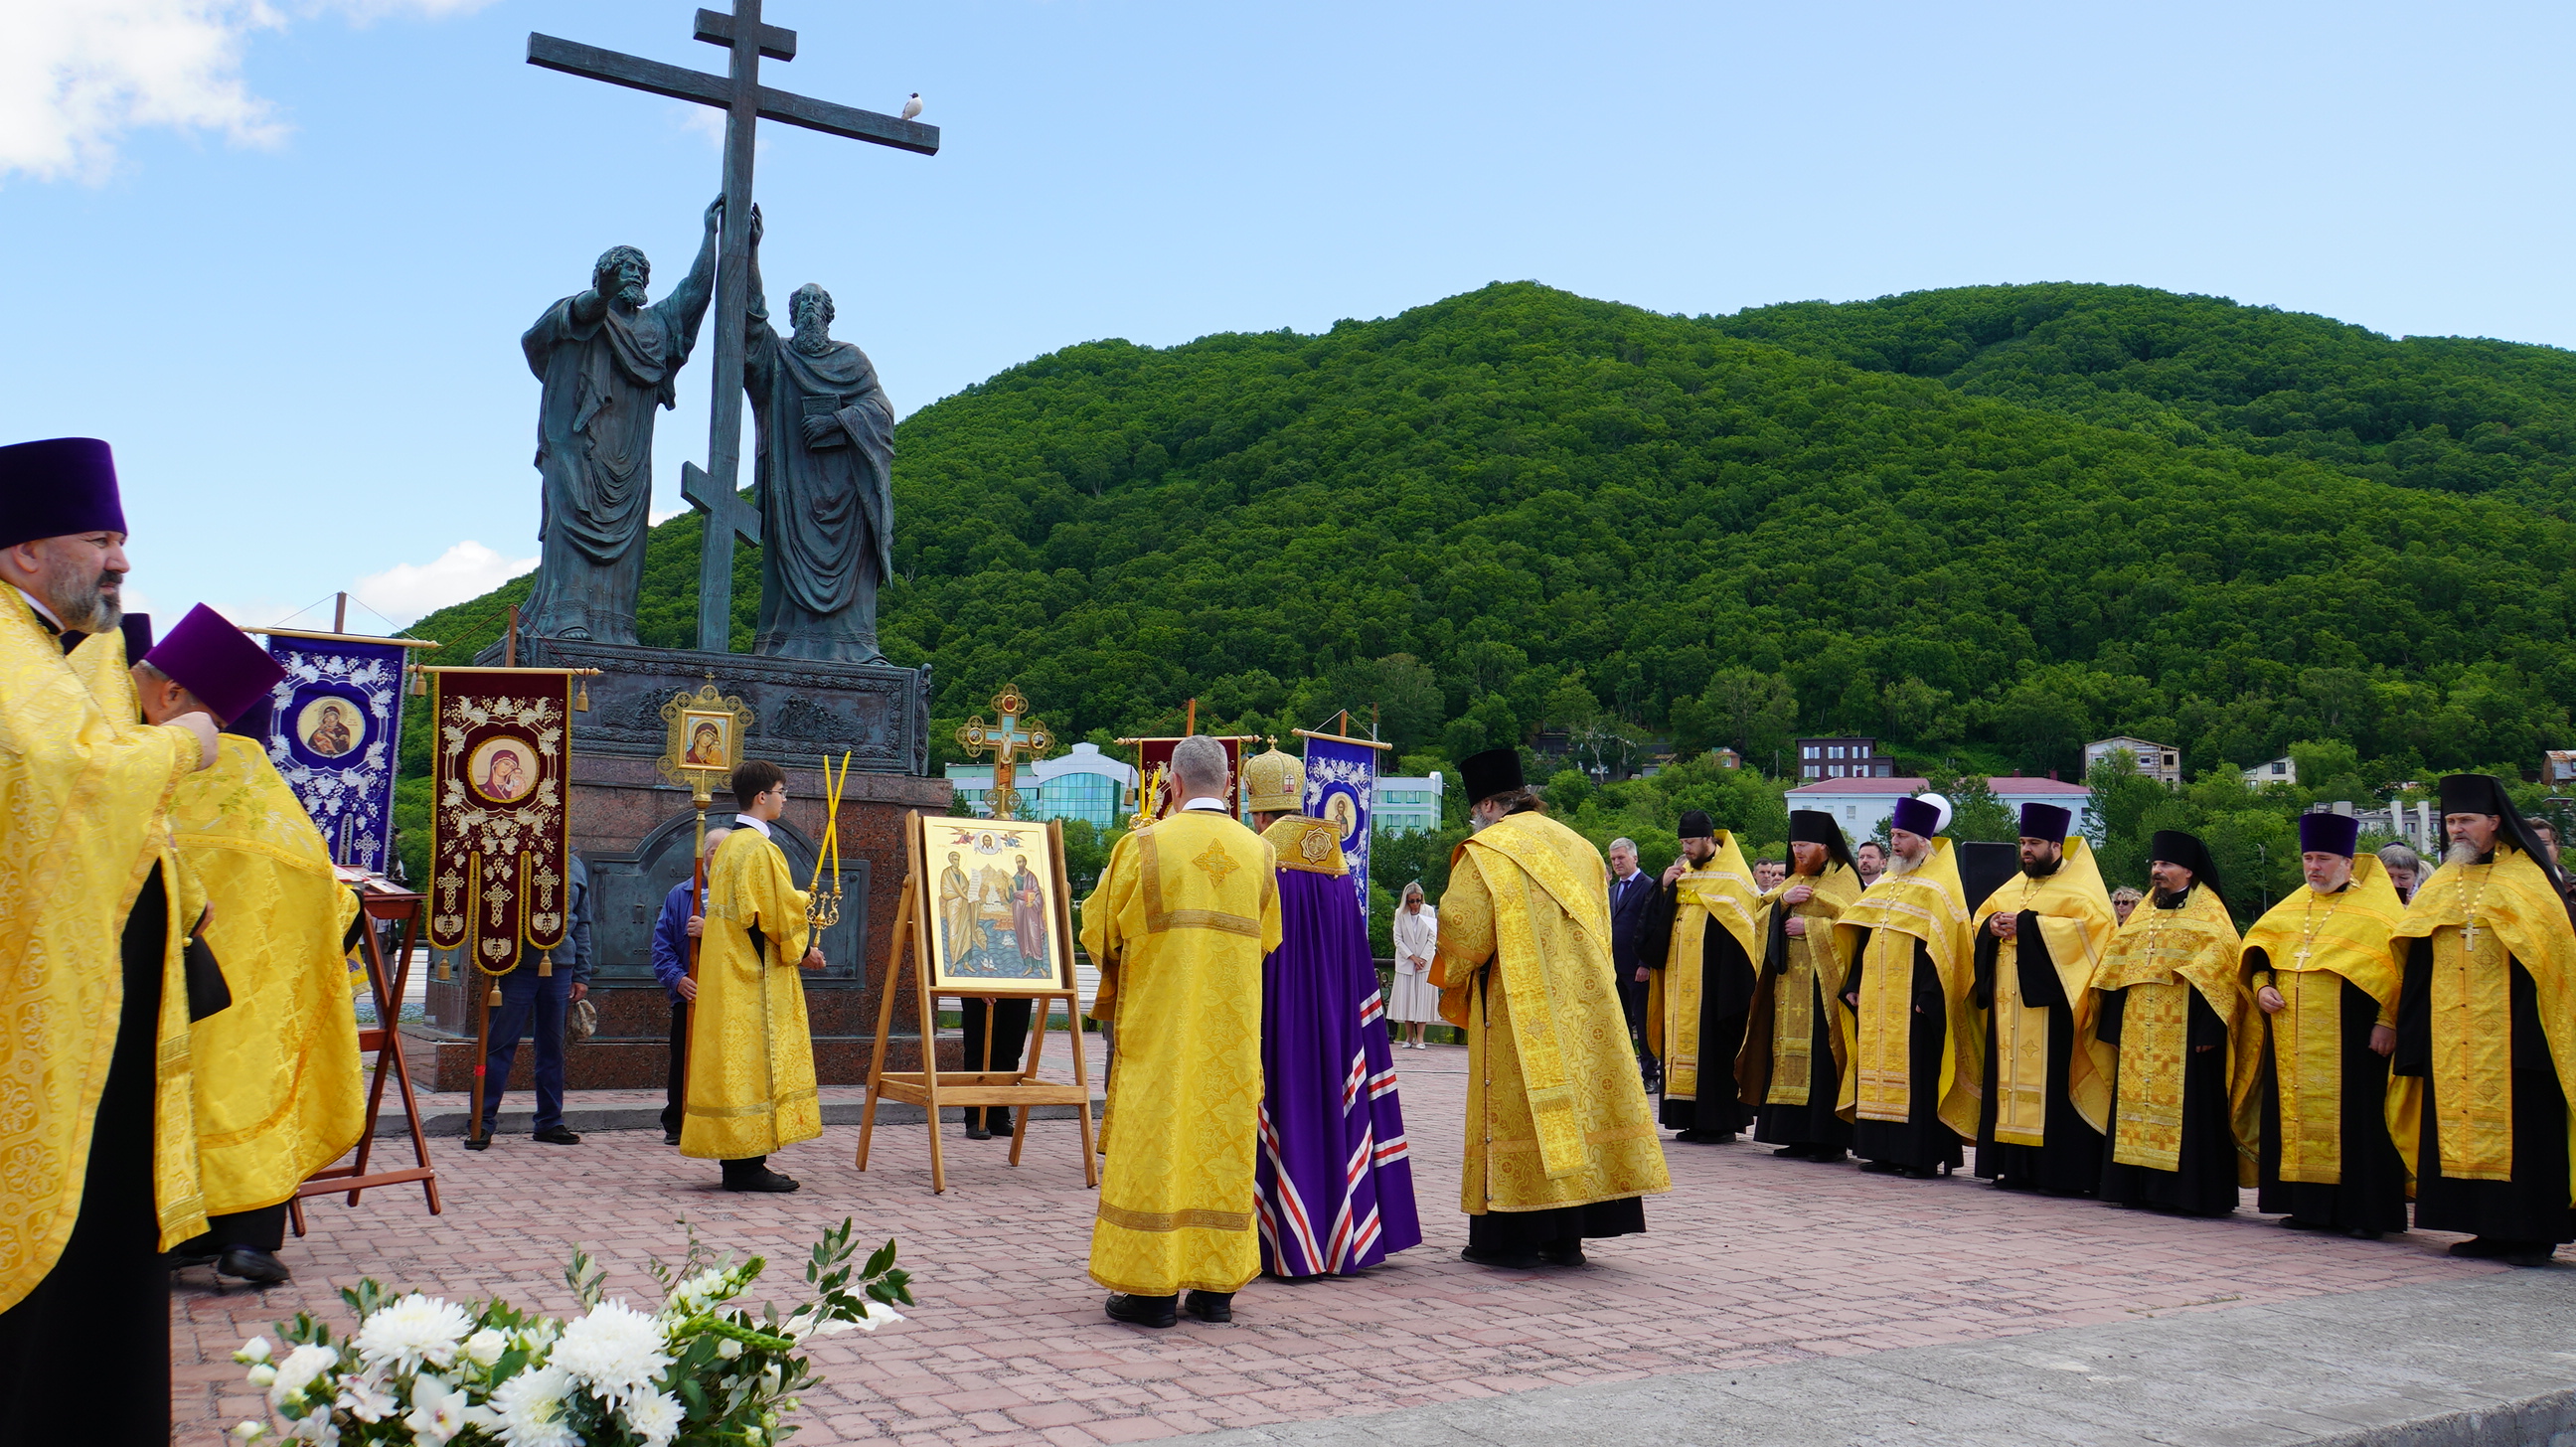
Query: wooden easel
(930, 1087)
(385, 1039)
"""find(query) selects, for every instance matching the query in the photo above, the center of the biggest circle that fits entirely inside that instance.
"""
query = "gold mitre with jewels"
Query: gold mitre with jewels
(1277, 783)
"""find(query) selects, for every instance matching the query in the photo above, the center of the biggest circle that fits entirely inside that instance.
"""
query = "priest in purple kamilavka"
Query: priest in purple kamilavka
(1334, 1179)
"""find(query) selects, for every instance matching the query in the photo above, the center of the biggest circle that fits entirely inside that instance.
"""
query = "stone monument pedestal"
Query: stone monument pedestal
(634, 829)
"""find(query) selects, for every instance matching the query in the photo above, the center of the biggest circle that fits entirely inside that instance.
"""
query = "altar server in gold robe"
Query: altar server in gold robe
(279, 1090)
(2040, 937)
(98, 1143)
(1560, 1146)
(2182, 1099)
(2322, 974)
(2486, 1026)
(1795, 1050)
(751, 1052)
(1183, 915)
(1911, 1094)
(1699, 938)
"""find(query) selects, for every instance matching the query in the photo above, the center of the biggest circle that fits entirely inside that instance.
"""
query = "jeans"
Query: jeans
(525, 994)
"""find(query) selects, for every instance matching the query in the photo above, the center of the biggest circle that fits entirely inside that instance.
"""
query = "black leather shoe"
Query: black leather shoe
(2529, 1253)
(1911, 1174)
(1881, 1168)
(978, 1133)
(182, 1260)
(1791, 1153)
(670, 1137)
(1566, 1254)
(478, 1143)
(1210, 1306)
(1142, 1310)
(253, 1265)
(769, 1181)
(556, 1135)
(2481, 1247)
(1501, 1260)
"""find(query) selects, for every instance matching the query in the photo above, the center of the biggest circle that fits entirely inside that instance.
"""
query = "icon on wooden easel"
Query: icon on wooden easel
(995, 922)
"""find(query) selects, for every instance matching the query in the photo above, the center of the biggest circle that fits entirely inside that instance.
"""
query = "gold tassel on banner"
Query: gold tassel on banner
(581, 698)
(545, 964)
(494, 998)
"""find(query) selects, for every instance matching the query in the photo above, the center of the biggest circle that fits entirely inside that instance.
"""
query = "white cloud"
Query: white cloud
(77, 75)
(405, 591)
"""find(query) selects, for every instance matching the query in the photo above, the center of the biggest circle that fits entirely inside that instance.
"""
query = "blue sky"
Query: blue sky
(281, 256)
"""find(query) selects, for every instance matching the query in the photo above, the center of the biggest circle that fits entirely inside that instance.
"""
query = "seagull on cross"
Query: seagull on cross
(912, 107)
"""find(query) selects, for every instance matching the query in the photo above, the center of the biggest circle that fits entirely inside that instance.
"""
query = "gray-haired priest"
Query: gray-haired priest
(2040, 937)
(2486, 1023)
(1913, 1086)
(1559, 1144)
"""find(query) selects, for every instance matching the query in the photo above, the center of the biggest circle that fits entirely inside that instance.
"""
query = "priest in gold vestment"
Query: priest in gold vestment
(1184, 913)
(1912, 1090)
(1560, 1146)
(2321, 972)
(279, 1089)
(2182, 1130)
(2040, 937)
(751, 1054)
(2486, 1034)
(1795, 1050)
(1700, 938)
(98, 1145)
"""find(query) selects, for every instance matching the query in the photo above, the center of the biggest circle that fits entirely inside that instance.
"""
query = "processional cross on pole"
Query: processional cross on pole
(1010, 743)
(715, 491)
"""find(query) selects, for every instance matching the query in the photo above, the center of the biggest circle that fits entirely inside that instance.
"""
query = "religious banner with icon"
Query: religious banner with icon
(1154, 767)
(499, 873)
(334, 730)
(1341, 781)
(997, 925)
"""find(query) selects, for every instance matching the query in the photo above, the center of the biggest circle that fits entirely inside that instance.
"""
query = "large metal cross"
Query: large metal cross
(745, 102)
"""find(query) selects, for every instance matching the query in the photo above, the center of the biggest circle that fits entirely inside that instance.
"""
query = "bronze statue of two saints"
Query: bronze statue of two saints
(608, 356)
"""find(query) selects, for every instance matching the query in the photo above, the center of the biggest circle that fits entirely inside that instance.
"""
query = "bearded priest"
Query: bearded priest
(2320, 969)
(1560, 1146)
(2048, 1078)
(1335, 1177)
(2486, 1019)
(1912, 1091)
(1699, 939)
(98, 1144)
(1794, 1051)
(1185, 912)
(751, 1052)
(2182, 1103)
(279, 1089)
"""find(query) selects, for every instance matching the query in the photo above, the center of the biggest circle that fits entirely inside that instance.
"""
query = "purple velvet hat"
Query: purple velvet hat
(1916, 817)
(57, 488)
(217, 662)
(2044, 821)
(2328, 834)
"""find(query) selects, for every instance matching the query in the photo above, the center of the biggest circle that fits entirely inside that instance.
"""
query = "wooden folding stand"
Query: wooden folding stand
(930, 1087)
(403, 911)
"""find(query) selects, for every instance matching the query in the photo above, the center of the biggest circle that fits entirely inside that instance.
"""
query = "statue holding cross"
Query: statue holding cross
(822, 556)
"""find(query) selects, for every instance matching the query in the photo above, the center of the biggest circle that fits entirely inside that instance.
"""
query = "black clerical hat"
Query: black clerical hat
(2328, 833)
(1914, 816)
(1696, 824)
(2173, 846)
(1814, 826)
(2044, 821)
(1495, 771)
(2472, 794)
(60, 487)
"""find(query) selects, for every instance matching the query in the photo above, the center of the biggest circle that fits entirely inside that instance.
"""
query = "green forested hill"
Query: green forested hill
(1958, 520)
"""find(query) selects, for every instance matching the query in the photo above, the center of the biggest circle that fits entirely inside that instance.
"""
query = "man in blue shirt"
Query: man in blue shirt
(534, 1004)
(679, 923)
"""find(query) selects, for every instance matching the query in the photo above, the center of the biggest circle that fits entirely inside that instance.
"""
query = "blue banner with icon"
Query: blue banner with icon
(1341, 781)
(332, 731)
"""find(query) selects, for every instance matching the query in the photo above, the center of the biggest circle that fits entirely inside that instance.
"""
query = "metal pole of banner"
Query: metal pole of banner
(510, 640)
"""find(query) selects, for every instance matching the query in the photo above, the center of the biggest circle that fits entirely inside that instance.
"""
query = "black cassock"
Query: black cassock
(1816, 1123)
(2069, 1159)
(109, 1293)
(2372, 1194)
(2203, 1180)
(1920, 1142)
(2533, 1205)
(1725, 997)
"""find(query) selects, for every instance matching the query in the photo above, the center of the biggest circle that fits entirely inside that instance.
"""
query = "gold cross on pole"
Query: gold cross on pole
(1012, 735)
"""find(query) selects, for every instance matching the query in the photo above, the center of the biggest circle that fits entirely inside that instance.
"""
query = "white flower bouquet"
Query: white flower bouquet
(698, 1371)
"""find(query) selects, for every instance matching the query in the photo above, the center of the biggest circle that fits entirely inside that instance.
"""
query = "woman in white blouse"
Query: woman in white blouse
(1417, 936)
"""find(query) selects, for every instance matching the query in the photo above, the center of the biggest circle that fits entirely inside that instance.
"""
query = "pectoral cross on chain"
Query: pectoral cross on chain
(746, 103)
(1006, 739)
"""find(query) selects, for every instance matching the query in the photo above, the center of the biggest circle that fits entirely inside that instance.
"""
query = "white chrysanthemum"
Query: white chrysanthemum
(413, 1330)
(616, 1349)
(485, 1347)
(297, 1372)
(531, 1408)
(654, 1417)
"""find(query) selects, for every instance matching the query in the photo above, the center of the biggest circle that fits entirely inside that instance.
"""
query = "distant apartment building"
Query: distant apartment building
(2160, 762)
(1843, 758)
(1405, 804)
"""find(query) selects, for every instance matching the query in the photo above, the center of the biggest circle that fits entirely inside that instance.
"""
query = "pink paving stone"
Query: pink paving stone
(1750, 1260)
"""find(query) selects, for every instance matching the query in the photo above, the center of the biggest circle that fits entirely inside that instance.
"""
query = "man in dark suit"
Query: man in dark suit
(1632, 894)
